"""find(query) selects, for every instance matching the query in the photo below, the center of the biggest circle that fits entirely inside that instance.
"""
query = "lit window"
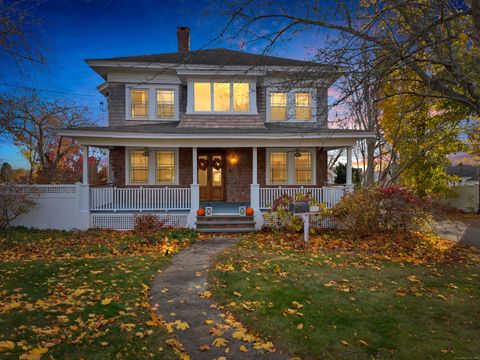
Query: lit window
(139, 103)
(303, 109)
(165, 167)
(221, 97)
(303, 168)
(139, 167)
(278, 168)
(165, 104)
(202, 94)
(227, 97)
(241, 97)
(278, 106)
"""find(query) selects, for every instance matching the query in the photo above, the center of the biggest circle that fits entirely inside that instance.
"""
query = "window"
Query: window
(303, 168)
(202, 93)
(139, 167)
(303, 110)
(290, 167)
(139, 103)
(165, 104)
(221, 97)
(165, 167)
(241, 97)
(151, 102)
(278, 106)
(278, 168)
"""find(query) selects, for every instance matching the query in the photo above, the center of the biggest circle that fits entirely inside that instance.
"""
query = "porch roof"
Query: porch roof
(288, 134)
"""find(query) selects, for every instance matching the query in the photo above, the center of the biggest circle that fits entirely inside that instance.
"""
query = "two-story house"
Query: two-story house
(212, 128)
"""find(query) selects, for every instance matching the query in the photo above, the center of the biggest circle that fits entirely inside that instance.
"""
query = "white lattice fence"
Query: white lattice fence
(127, 221)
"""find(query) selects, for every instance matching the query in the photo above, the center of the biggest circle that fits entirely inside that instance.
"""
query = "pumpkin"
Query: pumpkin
(201, 212)
(249, 211)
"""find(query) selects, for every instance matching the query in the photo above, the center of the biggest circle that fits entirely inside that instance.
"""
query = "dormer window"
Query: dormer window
(221, 97)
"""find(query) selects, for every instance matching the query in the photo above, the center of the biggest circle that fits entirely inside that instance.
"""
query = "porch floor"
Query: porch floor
(221, 207)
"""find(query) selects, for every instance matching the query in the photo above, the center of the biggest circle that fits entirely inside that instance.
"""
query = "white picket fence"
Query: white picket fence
(327, 195)
(139, 199)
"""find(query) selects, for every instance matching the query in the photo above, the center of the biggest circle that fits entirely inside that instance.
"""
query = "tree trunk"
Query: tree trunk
(370, 173)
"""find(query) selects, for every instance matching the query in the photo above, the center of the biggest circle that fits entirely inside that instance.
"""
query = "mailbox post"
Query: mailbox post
(302, 209)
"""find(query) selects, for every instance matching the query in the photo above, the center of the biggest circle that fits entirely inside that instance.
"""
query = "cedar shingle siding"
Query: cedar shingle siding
(117, 112)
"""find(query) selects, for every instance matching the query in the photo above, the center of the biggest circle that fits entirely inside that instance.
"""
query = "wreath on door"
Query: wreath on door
(202, 164)
(217, 163)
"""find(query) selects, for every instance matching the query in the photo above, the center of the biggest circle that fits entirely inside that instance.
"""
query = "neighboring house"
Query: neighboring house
(214, 127)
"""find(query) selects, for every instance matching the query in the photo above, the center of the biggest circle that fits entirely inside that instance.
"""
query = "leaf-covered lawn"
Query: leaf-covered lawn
(80, 295)
(324, 302)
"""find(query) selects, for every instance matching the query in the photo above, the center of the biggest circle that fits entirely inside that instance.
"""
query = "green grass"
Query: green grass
(57, 303)
(435, 314)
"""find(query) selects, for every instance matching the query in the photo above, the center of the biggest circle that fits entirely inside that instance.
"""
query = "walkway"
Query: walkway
(176, 291)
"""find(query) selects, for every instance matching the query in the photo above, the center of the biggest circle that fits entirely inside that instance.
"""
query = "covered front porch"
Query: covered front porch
(225, 179)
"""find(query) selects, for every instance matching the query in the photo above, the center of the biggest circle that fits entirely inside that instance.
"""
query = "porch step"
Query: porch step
(227, 230)
(225, 223)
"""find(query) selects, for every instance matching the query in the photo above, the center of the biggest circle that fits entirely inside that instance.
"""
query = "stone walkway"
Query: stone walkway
(176, 290)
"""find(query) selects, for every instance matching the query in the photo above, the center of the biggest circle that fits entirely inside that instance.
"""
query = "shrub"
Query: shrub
(148, 224)
(13, 203)
(389, 209)
(280, 218)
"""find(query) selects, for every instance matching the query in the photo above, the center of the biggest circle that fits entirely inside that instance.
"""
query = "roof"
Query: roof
(219, 57)
(171, 127)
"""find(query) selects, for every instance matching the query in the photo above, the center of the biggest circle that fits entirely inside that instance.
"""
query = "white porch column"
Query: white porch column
(255, 191)
(194, 192)
(349, 182)
(85, 165)
(83, 192)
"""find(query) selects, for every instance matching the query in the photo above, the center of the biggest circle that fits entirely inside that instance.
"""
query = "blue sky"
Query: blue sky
(73, 30)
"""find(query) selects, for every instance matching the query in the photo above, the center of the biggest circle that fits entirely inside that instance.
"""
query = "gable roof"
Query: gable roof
(218, 57)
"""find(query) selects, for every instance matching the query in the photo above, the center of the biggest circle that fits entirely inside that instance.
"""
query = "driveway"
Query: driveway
(465, 231)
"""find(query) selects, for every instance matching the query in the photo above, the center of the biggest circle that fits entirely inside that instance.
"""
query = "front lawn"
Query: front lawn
(337, 299)
(80, 294)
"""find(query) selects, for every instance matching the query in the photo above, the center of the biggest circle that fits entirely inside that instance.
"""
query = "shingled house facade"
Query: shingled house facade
(214, 128)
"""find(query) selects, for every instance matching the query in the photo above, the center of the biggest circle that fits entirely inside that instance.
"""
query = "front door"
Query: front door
(211, 175)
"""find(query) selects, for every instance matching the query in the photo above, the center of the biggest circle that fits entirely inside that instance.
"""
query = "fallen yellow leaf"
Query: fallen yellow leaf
(243, 348)
(218, 342)
(6, 345)
(106, 301)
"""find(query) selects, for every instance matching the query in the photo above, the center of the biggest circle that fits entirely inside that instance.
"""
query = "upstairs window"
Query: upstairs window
(221, 97)
(139, 103)
(139, 167)
(278, 106)
(303, 107)
(165, 104)
(292, 105)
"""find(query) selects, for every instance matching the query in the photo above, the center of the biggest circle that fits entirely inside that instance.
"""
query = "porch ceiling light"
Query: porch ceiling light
(233, 159)
(146, 152)
(298, 154)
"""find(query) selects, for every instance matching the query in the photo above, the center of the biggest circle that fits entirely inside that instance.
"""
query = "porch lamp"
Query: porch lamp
(298, 154)
(233, 159)
(146, 152)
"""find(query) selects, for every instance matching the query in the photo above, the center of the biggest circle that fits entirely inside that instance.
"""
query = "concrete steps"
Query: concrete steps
(225, 224)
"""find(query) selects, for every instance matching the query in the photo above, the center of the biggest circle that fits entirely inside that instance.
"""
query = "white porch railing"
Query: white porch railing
(328, 195)
(139, 199)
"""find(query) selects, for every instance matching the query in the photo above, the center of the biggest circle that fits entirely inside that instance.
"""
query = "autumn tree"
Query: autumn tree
(438, 40)
(31, 122)
(421, 132)
(17, 36)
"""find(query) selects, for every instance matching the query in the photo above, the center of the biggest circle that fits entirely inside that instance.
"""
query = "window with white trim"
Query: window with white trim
(139, 167)
(152, 102)
(290, 167)
(139, 103)
(303, 106)
(165, 104)
(278, 106)
(221, 97)
(293, 105)
(165, 167)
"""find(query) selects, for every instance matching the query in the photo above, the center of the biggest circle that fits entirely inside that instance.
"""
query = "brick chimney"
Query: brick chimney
(183, 37)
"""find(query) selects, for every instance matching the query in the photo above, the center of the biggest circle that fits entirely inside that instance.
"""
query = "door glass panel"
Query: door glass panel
(216, 173)
(203, 173)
